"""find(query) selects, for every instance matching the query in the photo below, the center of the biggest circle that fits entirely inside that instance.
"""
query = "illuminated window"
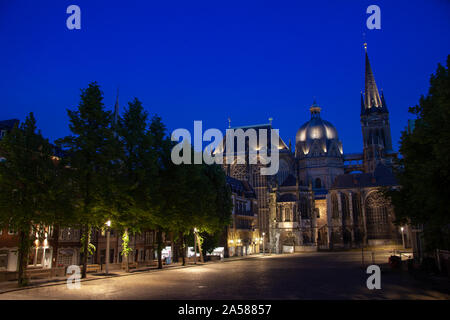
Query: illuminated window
(377, 217)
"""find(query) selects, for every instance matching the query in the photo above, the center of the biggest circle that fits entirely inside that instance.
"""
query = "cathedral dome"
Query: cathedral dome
(317, 132)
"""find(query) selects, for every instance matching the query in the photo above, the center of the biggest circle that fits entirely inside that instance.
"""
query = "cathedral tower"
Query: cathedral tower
(375, 125)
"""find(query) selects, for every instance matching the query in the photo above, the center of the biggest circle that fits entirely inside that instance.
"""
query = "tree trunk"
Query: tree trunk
(55, 246)
(182, 248)
(127, 266)
(226, 253)
(85, 252)
(24, 249)
(199, 248)
(159, 239)
(172, 247)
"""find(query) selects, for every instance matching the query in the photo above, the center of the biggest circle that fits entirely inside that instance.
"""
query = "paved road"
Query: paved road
(299, 276)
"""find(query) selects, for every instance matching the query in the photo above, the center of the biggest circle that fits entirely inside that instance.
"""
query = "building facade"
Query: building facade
(243, 236)
(321, 197)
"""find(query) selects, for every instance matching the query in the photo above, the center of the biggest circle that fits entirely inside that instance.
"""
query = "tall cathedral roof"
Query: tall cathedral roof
(371, 100)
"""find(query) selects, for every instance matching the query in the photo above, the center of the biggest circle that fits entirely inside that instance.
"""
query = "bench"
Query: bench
(93, 268)
(38, 273)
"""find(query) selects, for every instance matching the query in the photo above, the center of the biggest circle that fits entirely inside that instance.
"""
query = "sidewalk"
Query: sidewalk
(9, 286)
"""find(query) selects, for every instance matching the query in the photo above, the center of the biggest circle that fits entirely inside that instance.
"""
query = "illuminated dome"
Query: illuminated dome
(317, 134)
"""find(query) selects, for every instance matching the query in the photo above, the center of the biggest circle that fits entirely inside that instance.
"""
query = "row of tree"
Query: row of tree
(114, 168)
(424, 172)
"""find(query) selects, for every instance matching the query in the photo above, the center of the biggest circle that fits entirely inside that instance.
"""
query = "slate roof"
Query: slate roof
(257, 127)
(382, 176)
(287, 197)
(289, 181)
(241, 187)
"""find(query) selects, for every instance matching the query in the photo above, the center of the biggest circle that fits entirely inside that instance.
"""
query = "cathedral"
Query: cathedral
(322, 198)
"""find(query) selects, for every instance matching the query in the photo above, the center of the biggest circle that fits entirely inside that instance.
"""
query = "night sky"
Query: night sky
(210, 60)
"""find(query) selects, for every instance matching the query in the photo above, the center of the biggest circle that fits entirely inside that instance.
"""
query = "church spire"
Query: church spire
(372, 97)
(363, 108)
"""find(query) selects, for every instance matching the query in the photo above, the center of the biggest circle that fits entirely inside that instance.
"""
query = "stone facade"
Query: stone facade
(321, 197)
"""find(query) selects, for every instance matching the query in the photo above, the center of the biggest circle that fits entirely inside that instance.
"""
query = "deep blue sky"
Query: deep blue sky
(210, 60)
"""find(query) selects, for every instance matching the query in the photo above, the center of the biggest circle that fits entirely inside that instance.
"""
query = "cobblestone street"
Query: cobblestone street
(336, 275)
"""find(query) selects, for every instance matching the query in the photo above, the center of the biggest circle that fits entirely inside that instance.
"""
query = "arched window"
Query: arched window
(356, 206)
(279, 213)
(377, 217)
(318, 183)
(304, 208)
(334, 206)
(345, 207)
(287, 214)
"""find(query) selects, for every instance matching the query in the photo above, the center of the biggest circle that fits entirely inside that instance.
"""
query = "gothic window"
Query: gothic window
(347, 236)
(334, 206)
(287, 214)
(377, 217)
(304, 208)
(356, 206)
(279, 213)
(318, 183)
(345, 206)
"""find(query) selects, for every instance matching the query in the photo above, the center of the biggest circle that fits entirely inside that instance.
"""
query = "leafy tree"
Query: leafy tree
(92, 154)
(33, 191)
(164, 184)
(135, 177)
(424, 196)
(194, 196)
(210, 241)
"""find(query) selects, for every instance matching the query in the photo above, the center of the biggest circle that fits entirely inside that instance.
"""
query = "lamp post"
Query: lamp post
(108, 225)
(403, 237)
(263, 241)
(195, 245)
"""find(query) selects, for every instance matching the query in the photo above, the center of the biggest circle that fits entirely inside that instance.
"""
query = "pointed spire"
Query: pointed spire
(383, 102)
(229, 122)
(363, 108)
(372, 97)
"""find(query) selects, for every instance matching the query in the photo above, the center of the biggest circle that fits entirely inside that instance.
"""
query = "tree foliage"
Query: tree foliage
(121, 172)
(33, 189)
(424, 174)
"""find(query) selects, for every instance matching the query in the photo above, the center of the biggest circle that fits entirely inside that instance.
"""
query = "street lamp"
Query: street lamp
(108, 225)
(403, 237)
(195, 245)
(263, 241)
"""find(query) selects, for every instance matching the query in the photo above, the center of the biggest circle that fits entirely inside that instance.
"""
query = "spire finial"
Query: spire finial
(270, 120)
(315, 109)
(364, 41)
(229, 122)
